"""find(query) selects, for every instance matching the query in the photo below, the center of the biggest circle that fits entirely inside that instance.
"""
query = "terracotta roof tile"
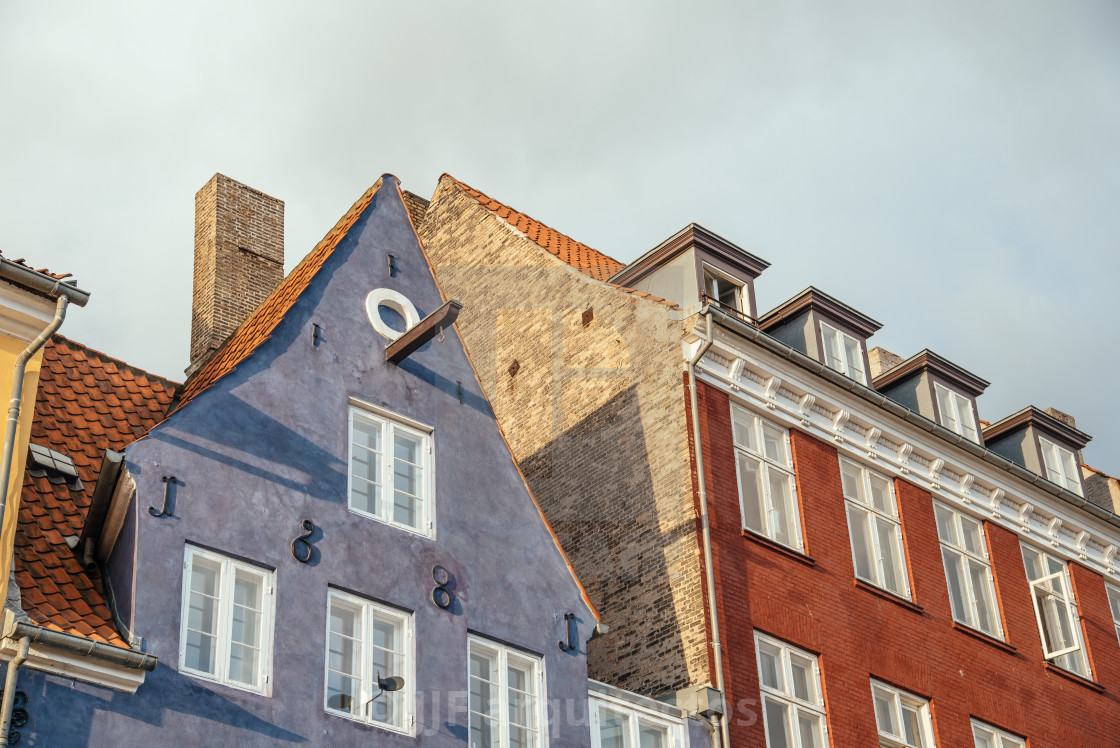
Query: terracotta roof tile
(260, 324)
(73, 415)
(580, 256)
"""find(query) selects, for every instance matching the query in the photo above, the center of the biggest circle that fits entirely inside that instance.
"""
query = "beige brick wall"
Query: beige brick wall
(596, 416)
(238, 260)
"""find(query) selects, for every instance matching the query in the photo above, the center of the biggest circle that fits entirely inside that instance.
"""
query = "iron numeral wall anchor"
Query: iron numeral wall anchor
(568, 646)
(166, 511)
(441, 596)
(301, 546)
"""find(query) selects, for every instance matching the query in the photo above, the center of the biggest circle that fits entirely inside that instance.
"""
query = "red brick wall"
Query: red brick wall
(813, 603)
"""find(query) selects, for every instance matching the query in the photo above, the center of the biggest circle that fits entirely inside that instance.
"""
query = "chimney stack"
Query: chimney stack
(238, 260)
(882, 361)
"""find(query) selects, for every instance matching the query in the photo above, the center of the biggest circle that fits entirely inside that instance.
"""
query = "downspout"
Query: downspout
(10, 688)
(17, 399)
(705, 527)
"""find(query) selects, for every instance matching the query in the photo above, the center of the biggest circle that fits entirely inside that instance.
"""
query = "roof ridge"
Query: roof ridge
(258, 326)
(597, 270)
(118, 362)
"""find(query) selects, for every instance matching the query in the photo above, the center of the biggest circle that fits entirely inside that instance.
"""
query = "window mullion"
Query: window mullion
(225, 621)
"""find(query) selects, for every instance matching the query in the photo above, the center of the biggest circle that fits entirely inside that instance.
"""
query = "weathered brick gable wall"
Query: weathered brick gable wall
(595, 416)
(814, 604)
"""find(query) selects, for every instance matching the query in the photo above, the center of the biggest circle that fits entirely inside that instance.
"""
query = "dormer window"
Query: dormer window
(1061, 467)
(843, 353)
(956, 413)
(723, 290)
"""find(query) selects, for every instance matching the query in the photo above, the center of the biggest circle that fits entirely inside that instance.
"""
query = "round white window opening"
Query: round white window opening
(399, 303)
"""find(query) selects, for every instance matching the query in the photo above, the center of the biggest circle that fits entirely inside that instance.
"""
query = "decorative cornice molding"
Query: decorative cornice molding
(927, 360)
(806, 402)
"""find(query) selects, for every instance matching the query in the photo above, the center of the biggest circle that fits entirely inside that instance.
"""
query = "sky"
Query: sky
(949, 168)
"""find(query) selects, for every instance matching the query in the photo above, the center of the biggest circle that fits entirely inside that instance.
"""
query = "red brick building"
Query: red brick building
(886, 568)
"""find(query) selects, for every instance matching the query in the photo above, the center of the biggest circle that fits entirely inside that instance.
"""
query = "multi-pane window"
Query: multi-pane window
(226, 621)
(1114, 604)
(390, 471)
(1061, 466)
(505, 697)
(792, 703)
(967, 570)
(614, 725)
(956, 413)
(721, 289)
(843, 353)
(990, 737)
(875, 529)
(902, 718)
(767, 495)
(368, 643)
(1059, 624)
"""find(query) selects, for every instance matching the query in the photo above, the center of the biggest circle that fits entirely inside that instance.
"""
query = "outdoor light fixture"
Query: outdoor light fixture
(343, 701)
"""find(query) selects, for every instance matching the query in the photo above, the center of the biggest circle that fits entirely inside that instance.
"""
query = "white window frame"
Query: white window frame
(637, 718)
(902, 700)
(786, 696)
(770, 510)
(389, 424)
(721, 278)
(857, 370)
(968, 560)
(874, 517)
(956, 412)
(1055, 585)
(228, 569)
(997, 738)
(502, 653)
(1114, 606)
(1060, 465)
(370, 612)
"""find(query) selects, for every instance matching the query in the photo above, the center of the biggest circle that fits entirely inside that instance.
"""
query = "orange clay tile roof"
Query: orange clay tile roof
(260, 324)
(86, 403)
(580, 256)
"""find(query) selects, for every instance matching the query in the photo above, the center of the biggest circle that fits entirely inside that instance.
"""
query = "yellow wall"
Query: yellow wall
(10, 348)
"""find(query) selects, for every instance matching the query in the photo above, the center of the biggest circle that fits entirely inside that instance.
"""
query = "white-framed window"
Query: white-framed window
(843, 353)
(987, 736)
(1055, 609)
(874, 527)
(226, 629)
(1061, 466)
(764, 468)
(390, 470)
(615, 724)
(967, 570)
(903, 719)
(722, 289)
(792, 702)
(506, 697)
(956, 413)
(1114, 605)
(366, 644)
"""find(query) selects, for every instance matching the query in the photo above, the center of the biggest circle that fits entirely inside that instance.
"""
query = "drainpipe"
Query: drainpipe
(705, 528)
(17, 399)
(10, 688)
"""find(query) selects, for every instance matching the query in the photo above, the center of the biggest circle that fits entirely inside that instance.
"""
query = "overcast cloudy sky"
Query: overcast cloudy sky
(951, 169)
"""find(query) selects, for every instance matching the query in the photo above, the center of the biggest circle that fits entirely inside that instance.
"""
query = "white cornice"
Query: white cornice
(796, 398)
(69, 665)
(23, 314)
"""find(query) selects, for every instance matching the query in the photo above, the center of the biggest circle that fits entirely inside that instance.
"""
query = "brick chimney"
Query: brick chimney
(882, 361)
(238, 260)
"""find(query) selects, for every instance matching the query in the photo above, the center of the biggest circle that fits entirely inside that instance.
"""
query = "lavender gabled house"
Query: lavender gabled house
(321, 545)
